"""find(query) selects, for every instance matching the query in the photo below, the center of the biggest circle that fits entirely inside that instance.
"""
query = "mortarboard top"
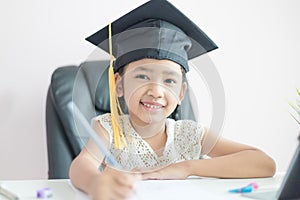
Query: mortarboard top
(161, 14)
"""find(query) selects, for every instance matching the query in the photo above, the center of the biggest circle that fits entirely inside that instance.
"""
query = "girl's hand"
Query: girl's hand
(114, 184)
(172, 171)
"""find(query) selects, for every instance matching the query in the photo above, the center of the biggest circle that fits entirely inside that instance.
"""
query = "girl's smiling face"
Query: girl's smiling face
(151, 89)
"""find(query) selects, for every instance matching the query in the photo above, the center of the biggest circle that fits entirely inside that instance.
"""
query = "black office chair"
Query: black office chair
(80, 84)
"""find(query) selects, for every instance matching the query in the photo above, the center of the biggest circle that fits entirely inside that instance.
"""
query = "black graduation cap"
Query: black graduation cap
(167, 34)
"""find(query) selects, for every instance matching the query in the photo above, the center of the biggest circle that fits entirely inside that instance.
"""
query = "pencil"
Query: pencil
(8, 194)
(78, 115)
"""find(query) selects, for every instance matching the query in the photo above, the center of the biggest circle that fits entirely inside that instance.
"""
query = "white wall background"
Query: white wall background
(258, 60)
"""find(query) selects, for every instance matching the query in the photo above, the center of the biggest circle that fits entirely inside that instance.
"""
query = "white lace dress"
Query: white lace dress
(183, 143)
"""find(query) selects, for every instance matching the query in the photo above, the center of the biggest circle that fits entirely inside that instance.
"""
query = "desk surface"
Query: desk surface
(214, 188)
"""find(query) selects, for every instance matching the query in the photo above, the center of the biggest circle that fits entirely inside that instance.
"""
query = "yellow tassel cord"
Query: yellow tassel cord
(115, 108)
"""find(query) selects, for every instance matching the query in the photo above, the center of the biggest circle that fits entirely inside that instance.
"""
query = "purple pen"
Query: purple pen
(44, 193)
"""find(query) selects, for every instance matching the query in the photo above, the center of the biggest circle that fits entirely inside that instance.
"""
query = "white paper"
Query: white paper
(169, 189)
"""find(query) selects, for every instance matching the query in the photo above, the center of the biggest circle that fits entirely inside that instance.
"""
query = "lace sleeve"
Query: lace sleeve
(105, 121)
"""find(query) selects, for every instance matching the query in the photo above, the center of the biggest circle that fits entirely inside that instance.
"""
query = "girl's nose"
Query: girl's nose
(156, 90)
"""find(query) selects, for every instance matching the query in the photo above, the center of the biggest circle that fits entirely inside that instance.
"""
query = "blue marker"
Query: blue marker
(74, 109)
(246, 189)
(242, 190)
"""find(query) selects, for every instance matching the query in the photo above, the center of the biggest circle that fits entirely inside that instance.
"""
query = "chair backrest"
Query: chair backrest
(80, 84)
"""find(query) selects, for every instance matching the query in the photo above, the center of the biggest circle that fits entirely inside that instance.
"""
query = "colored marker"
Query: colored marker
(44, 193)
(248, 188)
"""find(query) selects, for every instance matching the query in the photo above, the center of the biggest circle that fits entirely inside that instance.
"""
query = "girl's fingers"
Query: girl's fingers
(119, 185)
(128, 180)
(151, 176)
(124, 178)
(123, 192)
(125, 184)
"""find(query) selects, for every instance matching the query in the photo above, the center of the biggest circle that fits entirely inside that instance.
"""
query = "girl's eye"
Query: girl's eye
(171, 81)
(142, 76)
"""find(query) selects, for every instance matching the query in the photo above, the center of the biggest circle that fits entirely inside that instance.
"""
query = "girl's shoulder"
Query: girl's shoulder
(105, 121)
(103, 118)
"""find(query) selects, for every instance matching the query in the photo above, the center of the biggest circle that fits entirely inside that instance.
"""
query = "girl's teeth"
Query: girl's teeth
(151, 106)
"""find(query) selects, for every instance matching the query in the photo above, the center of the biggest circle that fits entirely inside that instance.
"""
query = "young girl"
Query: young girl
(149, 75)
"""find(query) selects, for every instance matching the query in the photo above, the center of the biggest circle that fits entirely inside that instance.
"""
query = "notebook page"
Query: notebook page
(170, 189)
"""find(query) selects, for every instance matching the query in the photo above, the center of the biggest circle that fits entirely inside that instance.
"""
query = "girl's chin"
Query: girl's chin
(147, 118)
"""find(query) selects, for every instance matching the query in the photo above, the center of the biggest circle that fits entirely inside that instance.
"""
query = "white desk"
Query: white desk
(62, 189)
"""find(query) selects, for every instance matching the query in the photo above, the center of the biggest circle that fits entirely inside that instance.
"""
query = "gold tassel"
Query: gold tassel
(115, 108)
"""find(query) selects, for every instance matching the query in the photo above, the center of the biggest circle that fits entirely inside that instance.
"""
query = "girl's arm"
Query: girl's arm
(109, 184)
(233, 160)
(228, 160)
(83, 170)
